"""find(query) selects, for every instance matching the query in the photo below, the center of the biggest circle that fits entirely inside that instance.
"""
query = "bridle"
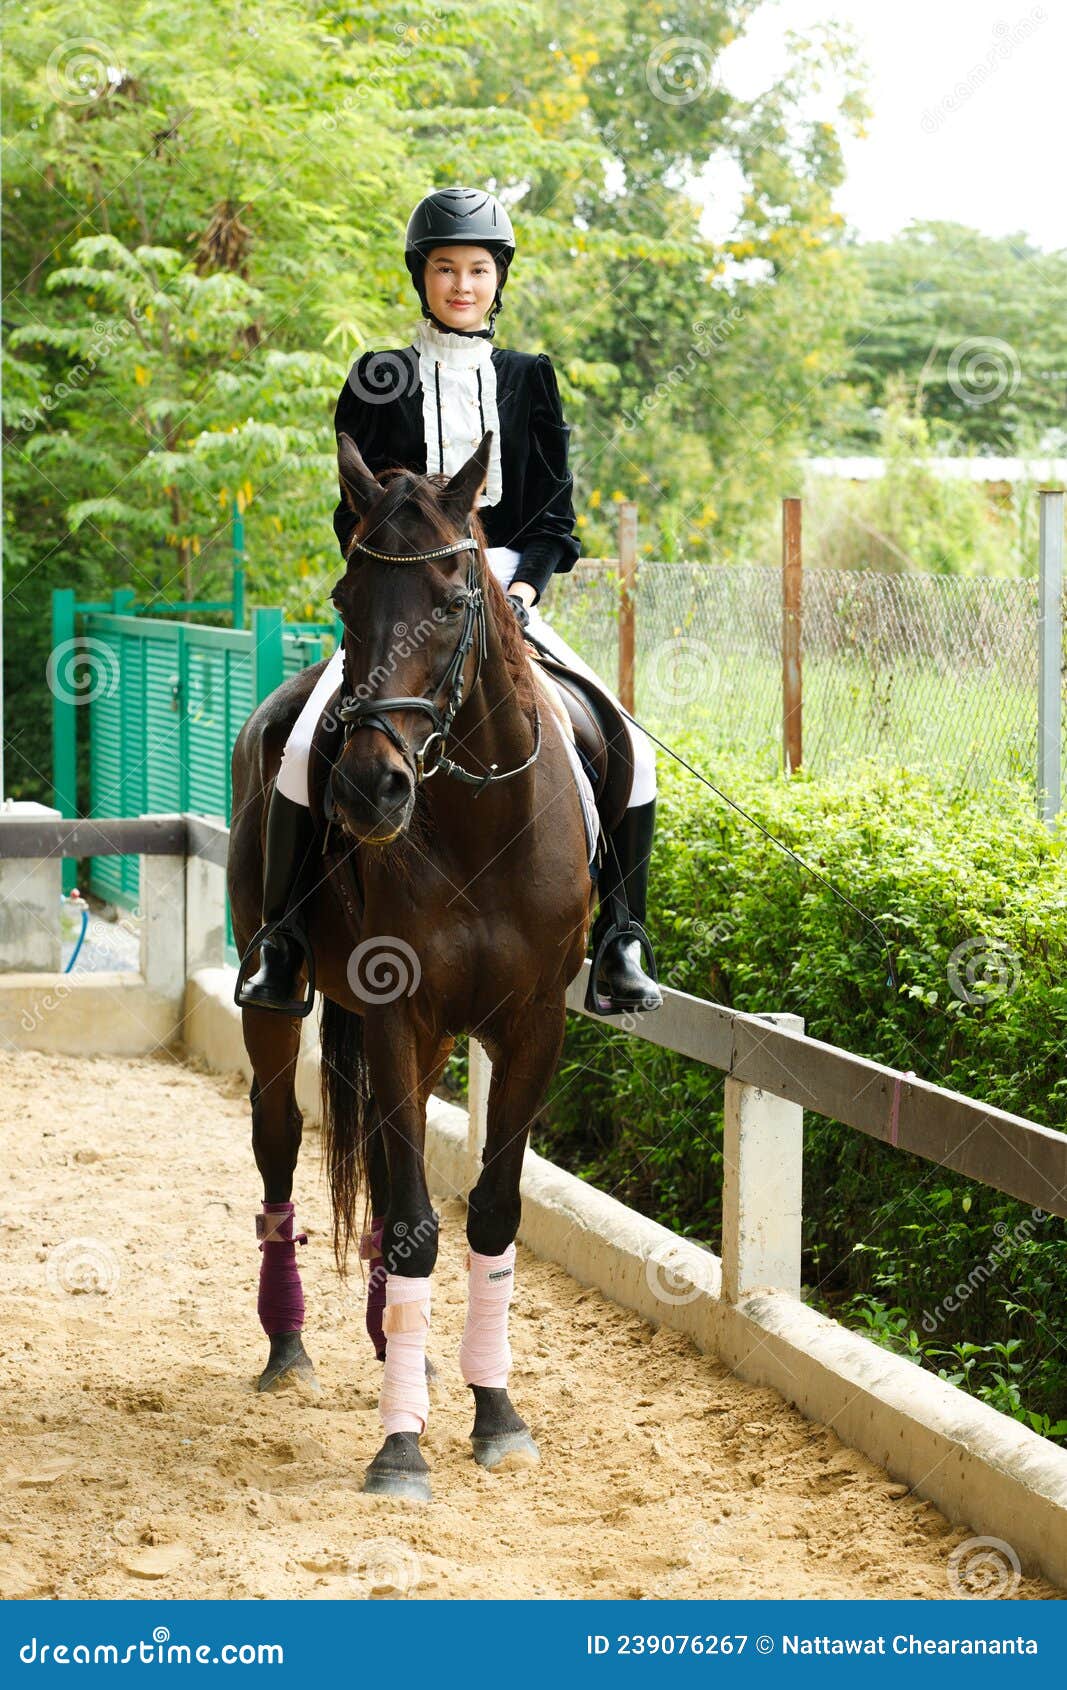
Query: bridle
(370, 713)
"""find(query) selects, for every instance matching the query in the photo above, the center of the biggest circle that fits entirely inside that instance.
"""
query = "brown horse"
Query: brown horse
(475, 879)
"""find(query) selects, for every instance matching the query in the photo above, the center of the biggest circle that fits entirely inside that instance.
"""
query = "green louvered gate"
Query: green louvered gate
(162, 729)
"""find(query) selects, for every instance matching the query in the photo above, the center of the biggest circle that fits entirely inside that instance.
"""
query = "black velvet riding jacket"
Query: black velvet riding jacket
(380, 406)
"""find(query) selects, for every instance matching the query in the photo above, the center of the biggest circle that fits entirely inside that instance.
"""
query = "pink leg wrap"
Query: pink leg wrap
(404, 1405)
(370, 1249)
(281, 1295)
(484, 1353)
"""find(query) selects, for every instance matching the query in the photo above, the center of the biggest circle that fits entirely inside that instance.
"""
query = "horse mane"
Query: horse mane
(420, 494)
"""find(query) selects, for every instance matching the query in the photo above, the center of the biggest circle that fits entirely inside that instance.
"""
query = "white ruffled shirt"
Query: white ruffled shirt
(450, 366)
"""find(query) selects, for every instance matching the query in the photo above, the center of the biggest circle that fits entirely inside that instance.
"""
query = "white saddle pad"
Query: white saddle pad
(581, 780)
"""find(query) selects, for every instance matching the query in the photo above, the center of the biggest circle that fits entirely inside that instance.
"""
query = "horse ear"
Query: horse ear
(357, 483)
(459, 496)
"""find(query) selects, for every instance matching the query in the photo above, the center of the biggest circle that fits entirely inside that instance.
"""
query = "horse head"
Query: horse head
(414, 633)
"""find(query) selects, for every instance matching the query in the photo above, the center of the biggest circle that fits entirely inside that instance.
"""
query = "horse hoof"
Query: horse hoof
(399, 1470)
(289, 1366)
(506, 1452)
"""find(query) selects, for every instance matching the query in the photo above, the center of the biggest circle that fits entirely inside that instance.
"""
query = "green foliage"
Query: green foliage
(918, 1257)
(938, 290)
(203, 222)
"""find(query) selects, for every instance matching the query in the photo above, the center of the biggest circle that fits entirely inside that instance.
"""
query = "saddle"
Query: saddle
(600, 736)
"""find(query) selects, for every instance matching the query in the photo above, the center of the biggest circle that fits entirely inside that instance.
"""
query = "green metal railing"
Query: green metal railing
(167, 700)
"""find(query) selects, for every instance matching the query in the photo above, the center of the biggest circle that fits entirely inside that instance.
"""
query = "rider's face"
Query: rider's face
(460, 284)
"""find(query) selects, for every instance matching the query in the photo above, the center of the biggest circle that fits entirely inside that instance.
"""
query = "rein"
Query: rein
(371, 712)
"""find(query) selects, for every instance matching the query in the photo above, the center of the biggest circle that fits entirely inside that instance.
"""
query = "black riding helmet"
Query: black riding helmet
(459, 217)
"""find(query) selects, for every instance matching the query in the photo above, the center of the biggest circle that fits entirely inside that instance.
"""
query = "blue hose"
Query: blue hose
(78, 945)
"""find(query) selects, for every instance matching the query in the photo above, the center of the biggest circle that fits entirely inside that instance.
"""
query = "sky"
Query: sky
(968, 100)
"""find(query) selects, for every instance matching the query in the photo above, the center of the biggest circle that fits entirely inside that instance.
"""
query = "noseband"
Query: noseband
(370, 713)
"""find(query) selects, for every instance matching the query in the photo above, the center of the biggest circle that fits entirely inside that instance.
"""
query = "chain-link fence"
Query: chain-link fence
(935, 672)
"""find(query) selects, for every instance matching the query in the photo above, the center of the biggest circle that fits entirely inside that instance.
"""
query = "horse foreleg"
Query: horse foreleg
(404, 1064)
(527, 1059)
(273, 1044)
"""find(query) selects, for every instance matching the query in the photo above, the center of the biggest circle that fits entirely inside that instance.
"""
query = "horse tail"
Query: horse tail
(346, 1095)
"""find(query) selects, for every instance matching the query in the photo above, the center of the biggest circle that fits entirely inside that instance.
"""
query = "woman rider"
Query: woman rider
(425, 408)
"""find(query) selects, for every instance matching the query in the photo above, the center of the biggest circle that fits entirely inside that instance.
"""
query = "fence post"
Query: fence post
(237, 535)
(268, 659)
(479, 1075)
(627, 582)
(792, 625)
(205, 913)
(763, 1166)
(162, 905)
(64, 723)
(1050, 650)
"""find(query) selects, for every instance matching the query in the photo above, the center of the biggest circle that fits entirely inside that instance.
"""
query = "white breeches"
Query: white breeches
(503, 561)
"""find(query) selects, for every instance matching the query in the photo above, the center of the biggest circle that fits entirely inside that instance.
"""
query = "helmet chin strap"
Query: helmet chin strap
(466, 334)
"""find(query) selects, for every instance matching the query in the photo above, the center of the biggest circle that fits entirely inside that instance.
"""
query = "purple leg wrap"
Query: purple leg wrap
(281, 1295)
(370, 1249)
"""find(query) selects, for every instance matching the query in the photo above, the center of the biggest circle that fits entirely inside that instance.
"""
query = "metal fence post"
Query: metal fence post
(237, 535)
(64, 724)
(792, 625)
(763, 1169)
(268, 656)
(1050, 654)
(627, 582)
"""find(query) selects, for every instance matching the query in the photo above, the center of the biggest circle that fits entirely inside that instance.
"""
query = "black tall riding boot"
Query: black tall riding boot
(617, 981)
(288, 877)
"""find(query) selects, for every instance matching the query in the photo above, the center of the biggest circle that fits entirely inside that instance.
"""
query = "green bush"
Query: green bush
(959, 1277)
